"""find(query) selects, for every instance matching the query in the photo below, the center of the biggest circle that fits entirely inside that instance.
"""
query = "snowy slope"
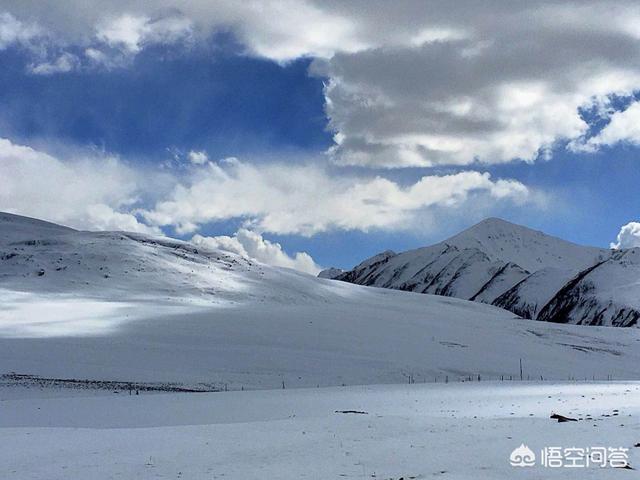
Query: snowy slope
(15, 228)
(512, 267)
(39, 257)
(509, 274)
(527, 297)
(606, 294)
(118, 306)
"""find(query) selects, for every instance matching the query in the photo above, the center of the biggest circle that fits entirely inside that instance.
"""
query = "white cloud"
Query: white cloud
(288, 29)
(125, 31)
(112, 40)
(250, 244)
(66, 62)
(198, 157)
(305, 199)
(492, 82)
(132, 32)
(13, 31)
(448, 108)
(102, 192)
(623, 127)
(280, 30)
(104, 218)
(628, 237)
(121, 37)
(89, 193)
(105, 58)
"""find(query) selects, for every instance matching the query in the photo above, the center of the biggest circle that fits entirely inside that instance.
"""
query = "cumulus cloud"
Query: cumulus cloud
(624, 126)
(489, 83)
(280, 30)
(305, 199)
(198, 157)
(103, 217)
(251, 244)
(410, 83)
(102, 192)
(508, 93)
(89, 193)
(132, 32)
(119, 38)
(66, 62)
(628, 237)
(125, 31)
(112, 41)
(14, 31)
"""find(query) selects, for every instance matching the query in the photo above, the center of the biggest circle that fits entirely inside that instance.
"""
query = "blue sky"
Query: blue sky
(208, 97)
(141, 129)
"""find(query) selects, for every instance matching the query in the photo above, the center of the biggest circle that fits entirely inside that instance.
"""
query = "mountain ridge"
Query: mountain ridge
(516, 268)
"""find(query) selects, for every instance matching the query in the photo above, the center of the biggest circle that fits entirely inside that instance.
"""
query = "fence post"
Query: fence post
(520, 369)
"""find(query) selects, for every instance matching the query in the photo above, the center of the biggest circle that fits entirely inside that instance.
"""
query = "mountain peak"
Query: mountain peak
(380, 257)
(494, 225)
(528, 248)
(495, 221)
(330, 273)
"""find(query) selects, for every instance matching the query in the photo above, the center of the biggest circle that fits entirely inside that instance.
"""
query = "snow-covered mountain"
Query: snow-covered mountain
(331, 272)
(129, 307)
(527, 272)
(608, 293)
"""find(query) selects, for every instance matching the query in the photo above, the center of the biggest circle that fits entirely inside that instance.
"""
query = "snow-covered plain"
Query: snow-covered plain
(119, 307)
(452, 431)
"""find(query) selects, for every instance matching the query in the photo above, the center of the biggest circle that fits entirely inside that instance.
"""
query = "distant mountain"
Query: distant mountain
(608, 293)
(330, 273)
(525, 271)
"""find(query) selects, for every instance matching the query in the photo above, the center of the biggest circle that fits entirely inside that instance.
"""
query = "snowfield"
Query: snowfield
(357, 336)
(88, 317)
(453, 431)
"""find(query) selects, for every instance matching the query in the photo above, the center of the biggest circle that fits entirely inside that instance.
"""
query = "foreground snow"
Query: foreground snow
(453, 431)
